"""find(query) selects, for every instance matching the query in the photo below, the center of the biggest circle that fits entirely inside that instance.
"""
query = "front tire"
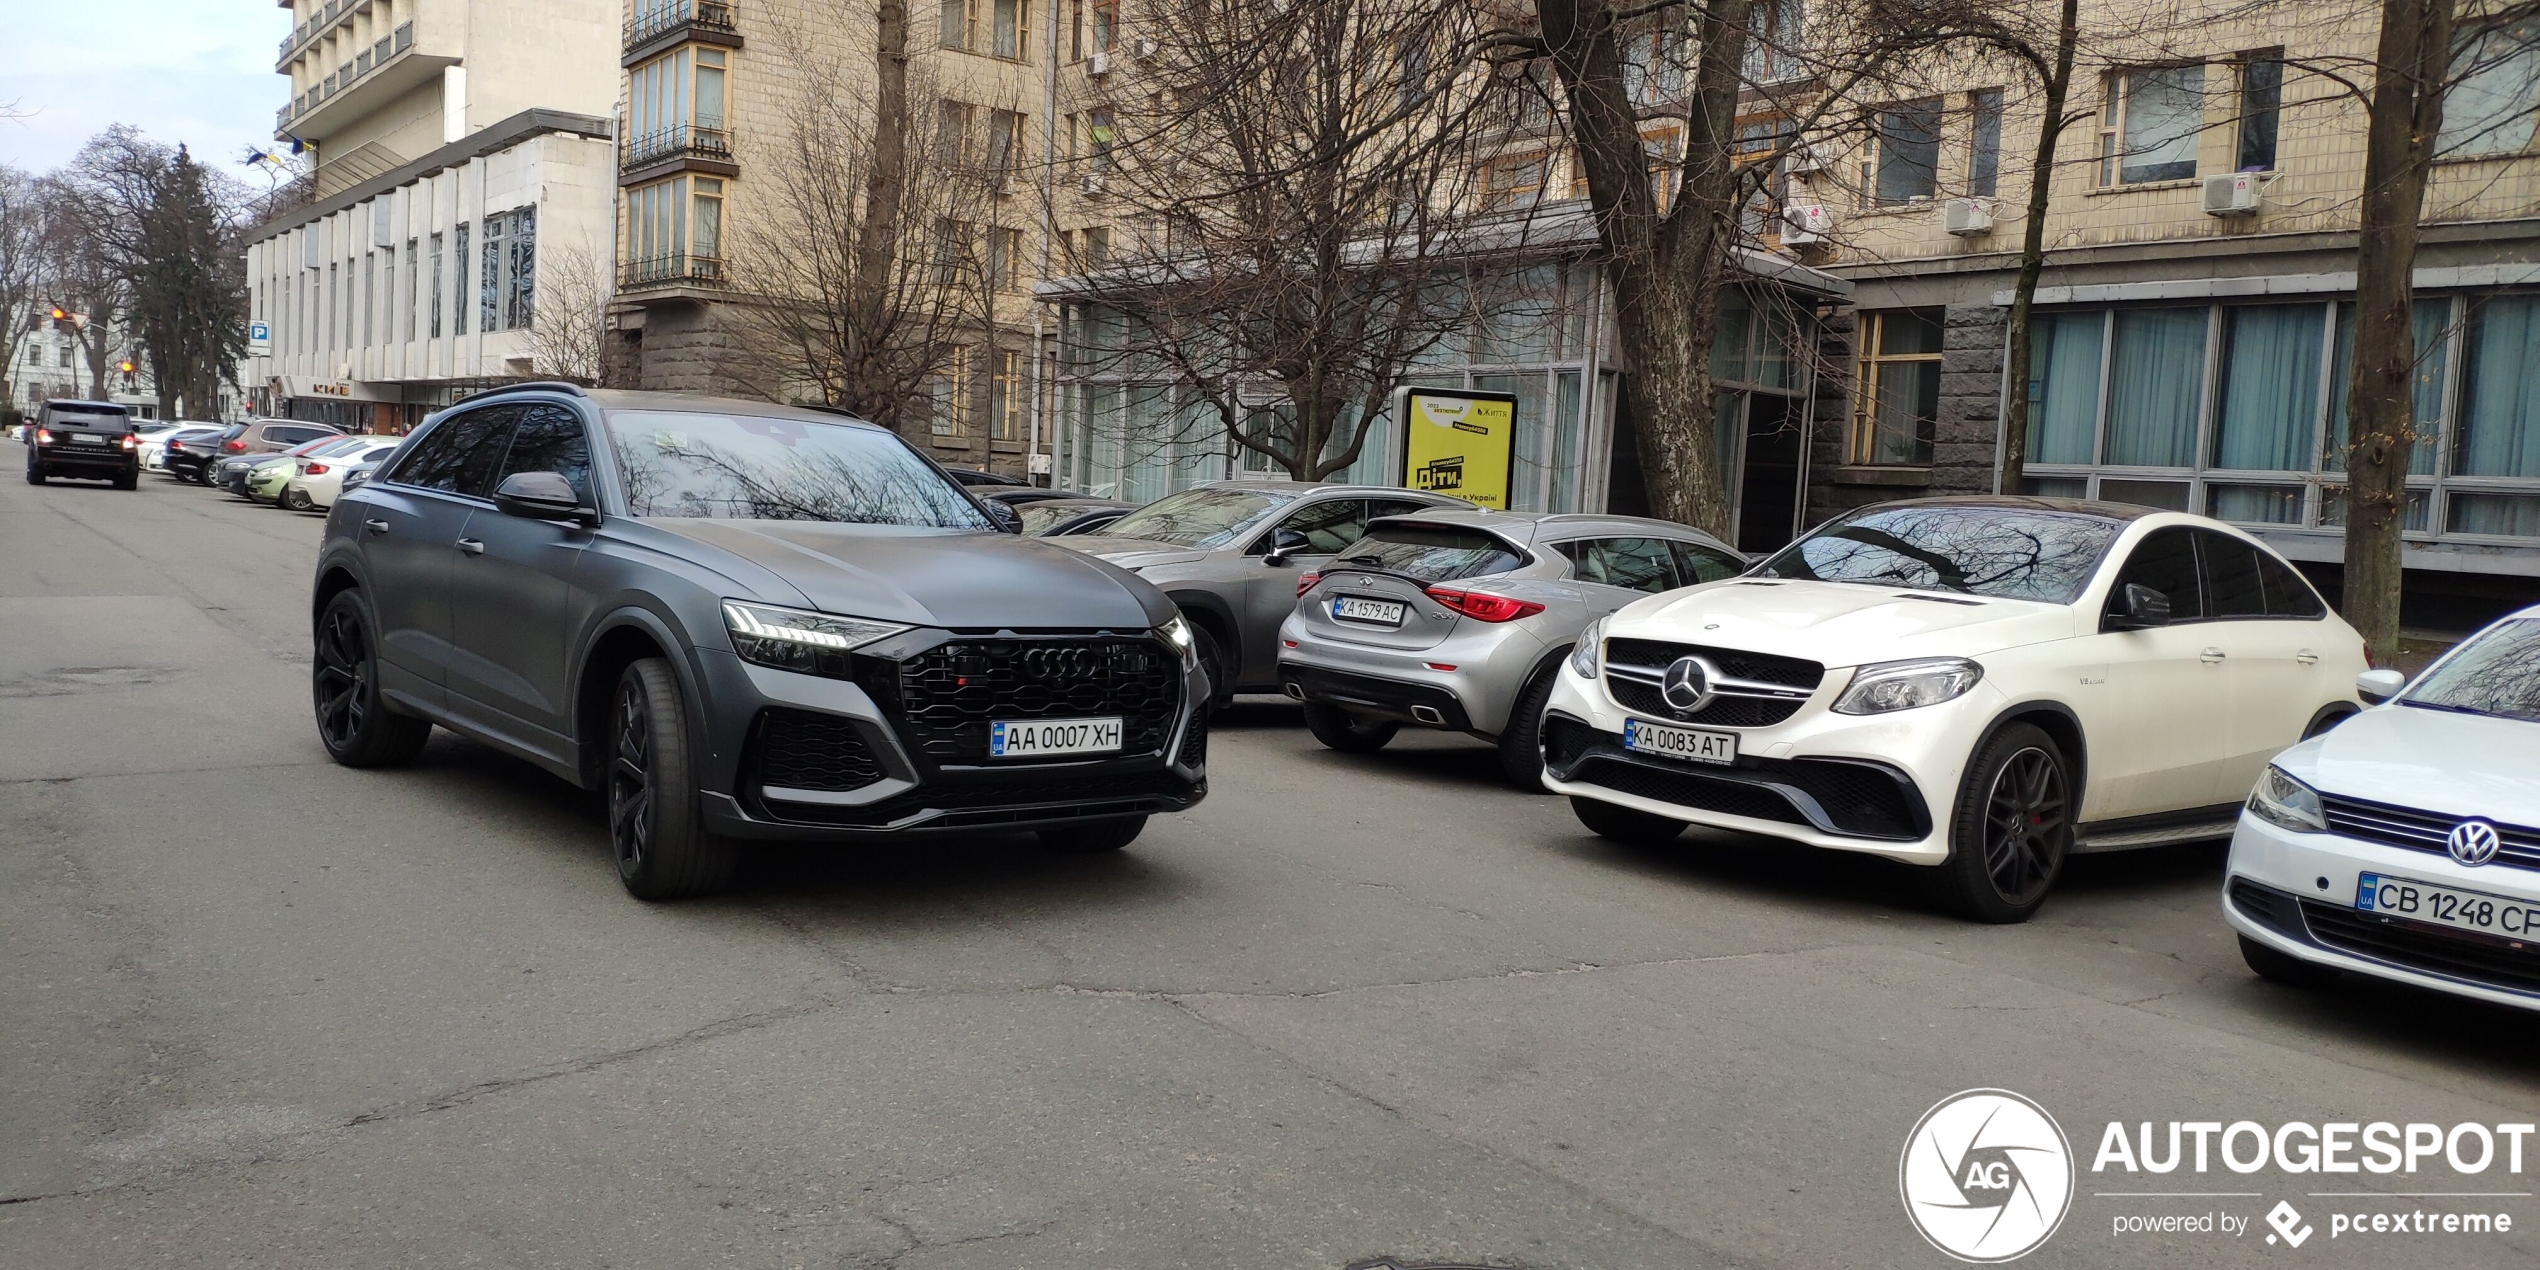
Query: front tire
(663, 849)
(1212, 658)
(356, 725)
(2284, 968)
(1346, 732)
(1520, 742)
(2012, 830)
(1625, 825)
(1101, 835)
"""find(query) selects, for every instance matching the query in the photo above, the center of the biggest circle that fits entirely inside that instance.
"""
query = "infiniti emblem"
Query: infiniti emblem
(1688, 684)
(2472, 842)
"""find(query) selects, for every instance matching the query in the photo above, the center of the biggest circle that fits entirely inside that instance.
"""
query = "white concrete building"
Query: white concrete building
(460, 144)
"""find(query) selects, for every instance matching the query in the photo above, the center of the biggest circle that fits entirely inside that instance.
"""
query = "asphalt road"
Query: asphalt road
(259, 1010)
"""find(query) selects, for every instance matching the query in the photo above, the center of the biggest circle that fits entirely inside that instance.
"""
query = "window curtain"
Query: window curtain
(2155, 371)
(1728, 427)
(2432, 319)
(2270, 388)
(1566, 459)
(2500, 405)
(2164, 117)
(2064, 388)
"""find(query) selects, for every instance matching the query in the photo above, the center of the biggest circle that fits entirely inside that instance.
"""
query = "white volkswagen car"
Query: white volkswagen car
(1980, 685)
(2406, 844)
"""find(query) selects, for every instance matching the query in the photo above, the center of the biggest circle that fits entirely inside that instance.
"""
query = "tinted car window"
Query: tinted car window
(2232, 588)
(2495, 673)
(679, 463)
(2165, 562)
(549, 439)
(89, 420)
(1697, 563)
(459, 453)
(1635, 564)
(2010, 552)
(2288, 593)
(287, 434)
(1430, 553)
(1328, 526)
(1200, 518)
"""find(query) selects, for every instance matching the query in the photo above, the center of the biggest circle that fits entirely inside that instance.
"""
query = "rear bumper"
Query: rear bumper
(1488, 665)
(55, 458)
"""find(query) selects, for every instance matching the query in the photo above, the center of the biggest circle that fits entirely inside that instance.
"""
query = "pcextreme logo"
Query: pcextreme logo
(1986, 1175)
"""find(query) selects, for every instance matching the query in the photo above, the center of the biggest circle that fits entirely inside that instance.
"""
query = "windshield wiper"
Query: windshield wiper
(2448, 708)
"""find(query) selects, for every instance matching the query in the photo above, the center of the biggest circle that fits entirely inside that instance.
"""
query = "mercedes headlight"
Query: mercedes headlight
(1583, 656)
(1177, 632)
(797, 640)
(2282, 800)
(1906, 685)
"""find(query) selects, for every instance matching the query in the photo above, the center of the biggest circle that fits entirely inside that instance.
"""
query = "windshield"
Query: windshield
(1430, 553)
(748, 467)
(1050, 513)
(1201, 518)
(2496, 673)
(2014, 553)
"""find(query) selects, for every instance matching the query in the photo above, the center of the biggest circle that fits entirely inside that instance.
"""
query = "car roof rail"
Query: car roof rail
(533, 385)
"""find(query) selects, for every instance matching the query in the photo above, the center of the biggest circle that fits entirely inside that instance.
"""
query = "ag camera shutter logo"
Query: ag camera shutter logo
(1987, 1176)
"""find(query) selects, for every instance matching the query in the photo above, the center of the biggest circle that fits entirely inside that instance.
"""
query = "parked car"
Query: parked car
(2405, 844)
(971, 476)
(1229, 553)
(744, 620)
(1018, 495)
(1460, 619)
(190, 458)
(268, 482)
(149, 438)
(1062, 517)
(234, 472)
(189, 443)
(90, 440)
(1979, 685)
(273, 436)
(317, 480)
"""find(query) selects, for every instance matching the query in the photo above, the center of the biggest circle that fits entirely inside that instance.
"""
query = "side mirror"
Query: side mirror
(1283, 544)
(541, 496)
(2377, 686)
(1002, 512)
(2138, 608)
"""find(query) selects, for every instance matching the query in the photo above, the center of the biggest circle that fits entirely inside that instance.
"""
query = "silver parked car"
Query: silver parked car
(1230, 553)
(1458, 619)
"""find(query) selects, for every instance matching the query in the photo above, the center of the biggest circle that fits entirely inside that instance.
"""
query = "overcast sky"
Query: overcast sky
(193, 71)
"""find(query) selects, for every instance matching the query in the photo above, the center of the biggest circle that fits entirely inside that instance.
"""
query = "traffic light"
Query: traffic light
(127, 368)
(61, 318)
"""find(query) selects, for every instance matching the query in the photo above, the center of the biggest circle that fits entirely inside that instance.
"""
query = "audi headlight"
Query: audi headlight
(793, 639)
(1906, 685)
(2280, 799)
(1583, 657)
(1177, 632)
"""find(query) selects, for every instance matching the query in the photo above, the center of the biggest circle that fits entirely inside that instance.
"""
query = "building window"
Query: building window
(955, 145)
(2433, 320)
(1773, 49)
(1005, 396)
(1005, 259)
(2269, 389)
(458, 280)
(2500, 395)
(2495, 88)
(1106, 25)
(1515, 181)
(2149, 122)
(997, 28)
(675, 106)
(1098, 138)
(1653, 67)
(1907, 168)
(2261, 102)
(952, 394)
(1899, 407)
(1005, 142)
(1984, 142)
(435, 319)
(1097, 246)
(509, 280)
(674, 231)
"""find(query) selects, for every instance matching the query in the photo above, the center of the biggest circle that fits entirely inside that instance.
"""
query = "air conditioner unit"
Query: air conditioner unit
(1806, 224)
(1099, 63)
(1967, 217)
(1802, 160)
(2232, 194)
(1093, 183)
(1143, 47)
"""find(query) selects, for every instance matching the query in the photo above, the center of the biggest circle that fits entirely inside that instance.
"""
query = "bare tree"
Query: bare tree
(860, 278)
(1297, 191)
(161, 231)
(569, 333)
(23, 275)
(84, 276)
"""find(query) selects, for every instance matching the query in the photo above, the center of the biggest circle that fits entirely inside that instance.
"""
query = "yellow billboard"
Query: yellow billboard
(1458, 443)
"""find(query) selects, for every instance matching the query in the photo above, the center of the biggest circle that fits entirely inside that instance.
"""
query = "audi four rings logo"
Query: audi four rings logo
(2472, 842)
(1688, 684)
(1057, 663)
(1987, 1175)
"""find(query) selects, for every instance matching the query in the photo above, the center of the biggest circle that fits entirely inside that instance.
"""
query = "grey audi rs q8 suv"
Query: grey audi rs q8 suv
(745, 621)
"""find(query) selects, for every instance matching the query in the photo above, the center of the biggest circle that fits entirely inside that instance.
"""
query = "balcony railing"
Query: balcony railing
(370, 61)
(654, 18)
(671, 271)
(686, 141)
(319, 23)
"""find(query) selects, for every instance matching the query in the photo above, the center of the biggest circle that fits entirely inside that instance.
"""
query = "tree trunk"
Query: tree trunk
(885, 189)
(2405, 113)
(2041, 180)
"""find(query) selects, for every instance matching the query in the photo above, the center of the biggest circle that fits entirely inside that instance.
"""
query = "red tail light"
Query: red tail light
(129, 441)
(1482, 606)
(1305, 582)
(234, 447)
(176, 447)
(44, 436)
(314, 469)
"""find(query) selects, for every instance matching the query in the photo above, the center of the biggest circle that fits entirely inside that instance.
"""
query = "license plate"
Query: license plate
(82, 440)
(1692, 745)
(1032, 738)
(1358, 608)
(2447, 906)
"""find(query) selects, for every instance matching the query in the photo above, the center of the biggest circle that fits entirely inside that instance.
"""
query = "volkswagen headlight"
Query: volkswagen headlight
(2280, 799)
(1177, 632)
(1906, 685)
(1591, 642)
(797, 640)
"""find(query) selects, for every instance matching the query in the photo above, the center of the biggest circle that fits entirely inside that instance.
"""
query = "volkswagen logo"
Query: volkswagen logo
(2472, 842)
(1688, 684)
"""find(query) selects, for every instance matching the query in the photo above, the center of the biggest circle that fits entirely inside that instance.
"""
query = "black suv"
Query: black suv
(744, 621)
(91, 439)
